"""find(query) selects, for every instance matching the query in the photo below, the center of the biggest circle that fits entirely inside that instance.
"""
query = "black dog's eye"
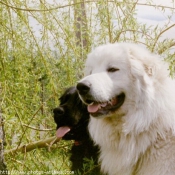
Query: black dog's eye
(112, 69)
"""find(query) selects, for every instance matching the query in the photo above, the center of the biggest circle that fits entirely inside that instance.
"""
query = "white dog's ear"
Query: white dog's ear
(143, 63)
(137, 68)
(142, 68)
(138, 72)
(149, 70)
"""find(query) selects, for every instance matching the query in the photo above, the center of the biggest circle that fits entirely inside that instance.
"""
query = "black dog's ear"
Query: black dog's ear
(69, 90)
(58, 111)
(67, 94)
(72, 89)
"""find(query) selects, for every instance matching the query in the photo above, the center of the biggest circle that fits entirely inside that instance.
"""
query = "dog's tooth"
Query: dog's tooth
(110, 102)
(103, 104)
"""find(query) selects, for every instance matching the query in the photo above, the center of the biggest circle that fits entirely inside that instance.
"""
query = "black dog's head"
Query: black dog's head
(71, 116)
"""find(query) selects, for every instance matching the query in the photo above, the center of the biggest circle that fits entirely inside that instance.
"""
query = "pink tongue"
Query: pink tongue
(62, 131)
(93, 108)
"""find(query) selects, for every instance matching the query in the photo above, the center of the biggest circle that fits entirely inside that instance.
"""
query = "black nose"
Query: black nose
(58, 111)
(83, 88)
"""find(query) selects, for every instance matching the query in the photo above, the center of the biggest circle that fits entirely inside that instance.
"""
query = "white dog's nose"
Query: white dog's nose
(83, 87)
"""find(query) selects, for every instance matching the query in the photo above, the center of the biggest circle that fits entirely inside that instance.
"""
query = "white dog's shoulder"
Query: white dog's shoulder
(159, 159)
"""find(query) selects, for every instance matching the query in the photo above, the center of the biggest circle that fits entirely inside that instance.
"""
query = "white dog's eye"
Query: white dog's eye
(112, 69)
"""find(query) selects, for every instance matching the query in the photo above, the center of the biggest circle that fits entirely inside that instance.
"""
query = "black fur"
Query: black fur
(73, 113)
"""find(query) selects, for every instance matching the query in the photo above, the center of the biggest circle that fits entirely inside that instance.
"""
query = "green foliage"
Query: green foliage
(41, 53)
(41, 160)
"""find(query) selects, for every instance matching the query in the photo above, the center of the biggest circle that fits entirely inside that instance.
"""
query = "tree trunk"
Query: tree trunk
(81, 28)
(3, 169)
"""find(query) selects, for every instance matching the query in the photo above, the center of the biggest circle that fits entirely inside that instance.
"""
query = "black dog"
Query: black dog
(72, 120)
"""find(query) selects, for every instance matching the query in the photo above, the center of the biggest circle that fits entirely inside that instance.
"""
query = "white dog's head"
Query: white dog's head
(119, 77)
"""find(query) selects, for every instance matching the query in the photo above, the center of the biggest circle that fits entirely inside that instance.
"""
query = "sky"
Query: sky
(151, 16)
(150, 13)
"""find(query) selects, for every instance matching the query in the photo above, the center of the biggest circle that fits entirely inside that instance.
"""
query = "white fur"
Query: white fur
(139, 138)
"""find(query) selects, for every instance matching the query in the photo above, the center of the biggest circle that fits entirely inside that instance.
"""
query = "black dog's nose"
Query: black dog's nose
(83, 88)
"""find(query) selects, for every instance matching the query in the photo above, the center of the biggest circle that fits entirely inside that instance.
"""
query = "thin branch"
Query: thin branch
(160, 34)
(37, 129)
(145, 4)
(38, 144)
(109, 22)
(154, 5)
(160, 51)
(130, 30)
(68, 5)
(26, 128)
(36, 10)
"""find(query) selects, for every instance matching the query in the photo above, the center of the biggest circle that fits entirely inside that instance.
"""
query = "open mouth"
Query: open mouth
(103, 108)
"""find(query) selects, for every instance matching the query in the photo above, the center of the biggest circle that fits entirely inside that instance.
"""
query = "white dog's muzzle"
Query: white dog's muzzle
(100, 102)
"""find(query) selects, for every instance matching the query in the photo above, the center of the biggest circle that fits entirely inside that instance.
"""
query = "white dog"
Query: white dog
(131, 99)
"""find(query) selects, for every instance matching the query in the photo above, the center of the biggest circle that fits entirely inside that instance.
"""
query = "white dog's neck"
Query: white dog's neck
(128, 150)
